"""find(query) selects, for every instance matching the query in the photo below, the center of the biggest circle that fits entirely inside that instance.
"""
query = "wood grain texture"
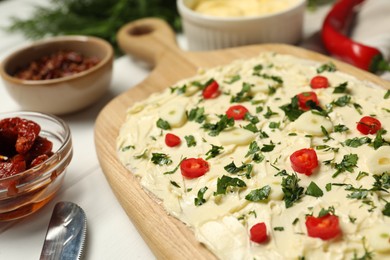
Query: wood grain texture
(153, 41)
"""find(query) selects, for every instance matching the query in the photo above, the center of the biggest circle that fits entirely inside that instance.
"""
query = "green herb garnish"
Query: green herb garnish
(225, 181)
(292, 110)
(327, 67)
(233, 79)
(342, 88)
(219, 126)
(291, 189)
(243, 95)
(163, 124)
(214, 151)
(259, 194)
(161, 159)
(190, 139)
(199, 200)
(356, 141)
(197, 115)
(314, 190)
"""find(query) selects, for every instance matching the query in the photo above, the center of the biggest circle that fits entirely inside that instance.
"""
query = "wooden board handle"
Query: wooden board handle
(147, 39)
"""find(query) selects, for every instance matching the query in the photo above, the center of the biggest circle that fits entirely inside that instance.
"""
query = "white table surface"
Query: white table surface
(111, 234)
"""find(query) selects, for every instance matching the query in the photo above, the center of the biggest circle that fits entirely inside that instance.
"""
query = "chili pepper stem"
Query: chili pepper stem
(383, 66)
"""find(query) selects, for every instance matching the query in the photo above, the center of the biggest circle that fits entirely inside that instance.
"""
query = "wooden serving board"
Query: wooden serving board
(153, 41)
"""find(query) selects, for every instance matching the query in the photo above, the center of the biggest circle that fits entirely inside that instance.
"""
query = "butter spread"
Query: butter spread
(258, 149)
(239, 8)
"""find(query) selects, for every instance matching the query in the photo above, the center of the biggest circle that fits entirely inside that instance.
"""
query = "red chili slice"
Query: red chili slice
(193, 167)
(258, 233)
(237, 112)
(325, 227)
(211, 90)
(304, 161)
(368, 125)
(172, 140)
(304, 97)
(319, 82)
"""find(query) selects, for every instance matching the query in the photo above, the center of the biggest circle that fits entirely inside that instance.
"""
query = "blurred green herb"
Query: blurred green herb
(99, 18)
(314, 4)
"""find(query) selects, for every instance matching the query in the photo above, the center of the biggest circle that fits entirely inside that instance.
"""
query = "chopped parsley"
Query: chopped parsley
(190, 139)
(161, 159)
(367, 254)
(356, 141)
(199, 200)
(267, 148)
(324, 212)
(382, 182)
(202, 86)
(386, 210)
(175, 184)
(342, 101)
(326, 134)
(179, 90)
(163, 124)
(361, 175)
(327, 148)
(274, 125)
(127, 147)
(197, 115)
(348, 162)
(254, 150)
(174, 169)
(214, 151)
(387, 95)
(314, 190)
(330, 67)
(269, 113)
(225, 181)
(251, 118)
(243, 95)
(379, 140)
(340, 128)
(277, 79)
(292, 110)
(245, 167)
(279, 228)
(342, 88)
(233, 79)
(291, 189)
(219, 126)
(251, 127)
(259, 194)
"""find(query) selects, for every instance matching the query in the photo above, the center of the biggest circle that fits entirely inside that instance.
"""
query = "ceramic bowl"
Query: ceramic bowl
(207, 32)
(24, 193)
(60, 95)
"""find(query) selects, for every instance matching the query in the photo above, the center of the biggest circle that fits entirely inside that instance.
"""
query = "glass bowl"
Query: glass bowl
(26, 192)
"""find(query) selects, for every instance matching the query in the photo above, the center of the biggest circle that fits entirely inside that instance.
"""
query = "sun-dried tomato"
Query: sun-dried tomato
(24, 131)
(13, 166)
(57, 65)
(21, 147)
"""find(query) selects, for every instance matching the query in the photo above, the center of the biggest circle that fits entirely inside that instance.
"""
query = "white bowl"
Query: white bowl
(206, 32)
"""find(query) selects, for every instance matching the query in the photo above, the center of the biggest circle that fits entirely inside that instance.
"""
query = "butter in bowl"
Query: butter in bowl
(217, 24)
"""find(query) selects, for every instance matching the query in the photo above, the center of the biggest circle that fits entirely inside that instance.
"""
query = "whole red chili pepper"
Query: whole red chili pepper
(338, 44)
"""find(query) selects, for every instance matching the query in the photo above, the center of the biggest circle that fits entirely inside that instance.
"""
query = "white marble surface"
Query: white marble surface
(111, 235)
